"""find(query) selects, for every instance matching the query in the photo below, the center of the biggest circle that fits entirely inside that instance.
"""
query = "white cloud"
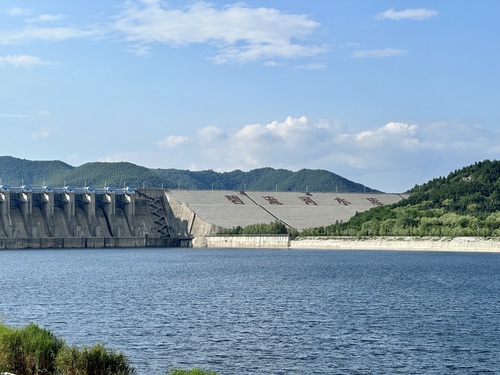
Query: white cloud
(47, 18)
(172, 141)
(284, 130)
(48, 34)
(312, 66)
(18, 11)
(209, 134)
(44, 113)
(377, 53)
(139, 50)
(237, 33)
(12, 116)
(255, 145)
(33, 32)
(240, 34)
(407, 14)
(392, 130)
(22, 61)
(395, 155)
(380, 147)
(42, 133)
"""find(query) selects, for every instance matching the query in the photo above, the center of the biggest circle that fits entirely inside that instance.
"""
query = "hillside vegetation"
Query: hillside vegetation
(15, 172)
(465, 203)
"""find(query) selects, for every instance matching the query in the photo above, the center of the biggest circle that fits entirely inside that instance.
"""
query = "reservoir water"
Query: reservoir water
(265, 311)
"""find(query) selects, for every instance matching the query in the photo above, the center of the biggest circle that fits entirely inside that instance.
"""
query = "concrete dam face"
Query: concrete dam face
(46, 217)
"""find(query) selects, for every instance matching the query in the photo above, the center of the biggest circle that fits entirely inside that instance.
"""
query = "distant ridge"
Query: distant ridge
(15, 171)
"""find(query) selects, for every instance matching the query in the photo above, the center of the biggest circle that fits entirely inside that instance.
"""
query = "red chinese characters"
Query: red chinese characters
(375, 201)
(272, 200)
(308, 201)
(234, 199)
(343, 201)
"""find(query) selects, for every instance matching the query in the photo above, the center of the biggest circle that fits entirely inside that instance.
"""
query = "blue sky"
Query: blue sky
(386, 93)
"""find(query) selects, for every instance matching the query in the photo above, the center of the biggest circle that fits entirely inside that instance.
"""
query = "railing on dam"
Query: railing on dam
(66, 189)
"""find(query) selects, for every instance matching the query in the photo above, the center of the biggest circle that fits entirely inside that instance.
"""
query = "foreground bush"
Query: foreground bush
(96, 360)
(30, 350)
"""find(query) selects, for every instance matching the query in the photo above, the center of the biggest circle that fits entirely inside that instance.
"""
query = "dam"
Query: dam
(47, 217)
(88, 217)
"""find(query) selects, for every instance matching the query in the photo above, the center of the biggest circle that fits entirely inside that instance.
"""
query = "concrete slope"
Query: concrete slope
(228, 209)
(308, 210)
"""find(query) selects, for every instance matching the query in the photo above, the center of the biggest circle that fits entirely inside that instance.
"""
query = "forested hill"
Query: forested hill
(263, 179)
(14, 172)
(465, 203)
(471, 190)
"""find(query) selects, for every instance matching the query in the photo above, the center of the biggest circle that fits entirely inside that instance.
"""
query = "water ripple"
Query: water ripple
(266, 312)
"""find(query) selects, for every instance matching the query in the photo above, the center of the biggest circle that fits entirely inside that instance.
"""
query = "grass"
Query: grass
(94, 360)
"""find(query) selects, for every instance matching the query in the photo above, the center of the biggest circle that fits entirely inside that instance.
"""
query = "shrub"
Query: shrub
(276, 227)
(96, 360)
(30, 350)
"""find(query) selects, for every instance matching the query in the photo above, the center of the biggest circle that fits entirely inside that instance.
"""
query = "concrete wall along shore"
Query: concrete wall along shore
(464, 244)
(467, 244)
(243, 242)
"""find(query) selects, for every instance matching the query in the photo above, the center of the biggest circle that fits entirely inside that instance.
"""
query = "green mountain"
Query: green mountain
(465, 203)
(14, 172)
(264, 179)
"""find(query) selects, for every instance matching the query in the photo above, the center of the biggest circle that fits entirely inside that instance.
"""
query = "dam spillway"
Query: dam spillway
(86, 217)
(46, 217)
(64, 212)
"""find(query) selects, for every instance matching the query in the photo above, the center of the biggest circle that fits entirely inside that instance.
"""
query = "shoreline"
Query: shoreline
(457, 244)
(284, 242)
(463, 244)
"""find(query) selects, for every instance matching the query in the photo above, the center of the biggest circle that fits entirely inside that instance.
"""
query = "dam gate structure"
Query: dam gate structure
(49, 217)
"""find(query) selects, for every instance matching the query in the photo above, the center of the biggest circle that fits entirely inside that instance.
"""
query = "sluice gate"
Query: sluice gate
(44, 217)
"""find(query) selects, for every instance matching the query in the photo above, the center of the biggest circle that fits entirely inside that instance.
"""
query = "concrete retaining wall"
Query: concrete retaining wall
(399, 243)
(248, 242)
(469, 244)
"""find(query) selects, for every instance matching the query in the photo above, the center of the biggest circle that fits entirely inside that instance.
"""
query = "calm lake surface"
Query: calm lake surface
(265, 311)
